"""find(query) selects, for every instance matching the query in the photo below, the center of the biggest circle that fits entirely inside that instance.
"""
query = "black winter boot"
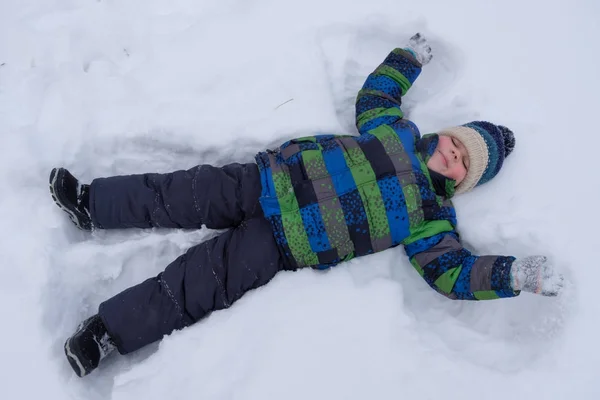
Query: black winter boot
(88, 345)
(71, 197)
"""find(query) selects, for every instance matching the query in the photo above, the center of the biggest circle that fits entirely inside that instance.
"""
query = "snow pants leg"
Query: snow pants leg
(210, 276)
(216, 197)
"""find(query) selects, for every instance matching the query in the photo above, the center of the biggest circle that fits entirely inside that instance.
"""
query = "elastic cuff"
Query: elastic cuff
(411, 52)
(115, 338)
(92, 205)
(411, 56)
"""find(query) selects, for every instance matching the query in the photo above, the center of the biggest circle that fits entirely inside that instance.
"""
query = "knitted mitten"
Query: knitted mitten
(535, 275)
(418, 47)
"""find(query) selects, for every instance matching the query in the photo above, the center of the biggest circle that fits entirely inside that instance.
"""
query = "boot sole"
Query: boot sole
(74, 215)
(76, 364)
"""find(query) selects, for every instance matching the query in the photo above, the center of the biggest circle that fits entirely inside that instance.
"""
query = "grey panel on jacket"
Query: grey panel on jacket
(290, 150)
(448, 243)
(481, 273)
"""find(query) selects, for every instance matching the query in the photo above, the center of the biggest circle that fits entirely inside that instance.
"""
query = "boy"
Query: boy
(313, 202)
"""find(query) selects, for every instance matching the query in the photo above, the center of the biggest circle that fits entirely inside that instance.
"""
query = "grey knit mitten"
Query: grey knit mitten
(419, 47)
(535, 274)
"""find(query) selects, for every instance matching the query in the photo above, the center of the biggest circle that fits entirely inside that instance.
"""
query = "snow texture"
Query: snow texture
(114, 87)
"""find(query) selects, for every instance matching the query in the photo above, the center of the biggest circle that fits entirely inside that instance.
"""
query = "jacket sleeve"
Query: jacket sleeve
(379, 100)
(456, 273)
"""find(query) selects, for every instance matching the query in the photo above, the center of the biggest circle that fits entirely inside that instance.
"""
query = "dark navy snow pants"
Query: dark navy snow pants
(208, 277)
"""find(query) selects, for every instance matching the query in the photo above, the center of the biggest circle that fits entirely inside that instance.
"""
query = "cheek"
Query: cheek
(458, 173)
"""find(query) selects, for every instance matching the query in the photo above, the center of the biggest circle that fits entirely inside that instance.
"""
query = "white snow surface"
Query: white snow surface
(115, 87)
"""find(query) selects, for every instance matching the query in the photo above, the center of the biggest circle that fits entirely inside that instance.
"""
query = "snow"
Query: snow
(115, 87)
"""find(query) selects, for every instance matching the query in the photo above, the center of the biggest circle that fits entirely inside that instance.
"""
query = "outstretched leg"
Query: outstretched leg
(218, 198)
(208, 277)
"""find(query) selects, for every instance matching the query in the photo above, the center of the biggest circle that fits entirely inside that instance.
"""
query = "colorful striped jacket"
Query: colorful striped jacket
(330, 198)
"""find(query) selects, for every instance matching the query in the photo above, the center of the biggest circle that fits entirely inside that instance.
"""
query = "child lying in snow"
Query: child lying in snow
(314, 202)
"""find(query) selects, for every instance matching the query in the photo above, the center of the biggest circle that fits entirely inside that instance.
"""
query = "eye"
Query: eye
(454, 142)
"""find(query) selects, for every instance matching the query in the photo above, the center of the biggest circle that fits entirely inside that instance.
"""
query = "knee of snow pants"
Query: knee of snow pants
(208, 277)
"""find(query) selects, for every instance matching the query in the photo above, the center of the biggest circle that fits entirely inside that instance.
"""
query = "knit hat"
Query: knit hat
(487, 144)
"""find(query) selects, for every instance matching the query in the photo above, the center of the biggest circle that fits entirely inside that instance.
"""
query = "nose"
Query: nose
(455, 155)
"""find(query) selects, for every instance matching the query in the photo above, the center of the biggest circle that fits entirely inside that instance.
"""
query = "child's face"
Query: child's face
(450, 159)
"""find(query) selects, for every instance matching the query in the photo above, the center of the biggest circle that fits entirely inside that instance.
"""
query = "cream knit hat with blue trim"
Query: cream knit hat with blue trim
(488, 145)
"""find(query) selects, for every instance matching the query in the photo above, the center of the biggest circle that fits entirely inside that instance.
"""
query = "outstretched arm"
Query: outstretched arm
(379, 100)
(456, 273)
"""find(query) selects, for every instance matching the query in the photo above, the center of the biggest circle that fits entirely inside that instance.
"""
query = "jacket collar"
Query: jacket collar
(444, 187)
